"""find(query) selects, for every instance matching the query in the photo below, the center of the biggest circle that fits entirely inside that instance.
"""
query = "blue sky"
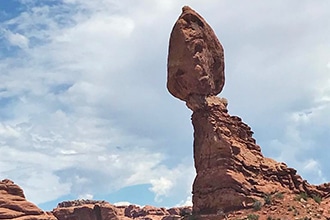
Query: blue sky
(85, 112)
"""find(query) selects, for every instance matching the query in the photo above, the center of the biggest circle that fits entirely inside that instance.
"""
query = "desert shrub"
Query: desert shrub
(317, 198)
(271, 218)
(253, 217)
(257, 205)
(301, 195)
(279, 195)
(268, 199)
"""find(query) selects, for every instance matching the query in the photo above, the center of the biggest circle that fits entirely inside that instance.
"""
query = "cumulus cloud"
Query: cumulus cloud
(160, 187)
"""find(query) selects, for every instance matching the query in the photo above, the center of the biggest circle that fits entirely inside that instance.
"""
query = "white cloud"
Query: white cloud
(160, 187)
(124, 203)
(313, 168)
(86, 196)
(295, 147)
(187, 202)
(34, 184)
(17, 39)
(8, 131)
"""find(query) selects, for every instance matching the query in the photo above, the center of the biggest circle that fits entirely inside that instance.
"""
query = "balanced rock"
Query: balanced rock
(231, 171)
(195, 61)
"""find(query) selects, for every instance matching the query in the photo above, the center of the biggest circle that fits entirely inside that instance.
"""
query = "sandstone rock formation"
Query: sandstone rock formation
(85, 210)
(195, 61)
(277, 208)
(101, 210)
(231, 170)
(13, 204)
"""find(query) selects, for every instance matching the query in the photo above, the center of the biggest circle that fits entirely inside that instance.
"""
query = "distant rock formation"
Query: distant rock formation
(101, 210)
(231, 170)
(13, 204)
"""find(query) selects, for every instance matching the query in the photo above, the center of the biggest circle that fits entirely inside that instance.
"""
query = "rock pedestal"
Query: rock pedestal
(231, 170)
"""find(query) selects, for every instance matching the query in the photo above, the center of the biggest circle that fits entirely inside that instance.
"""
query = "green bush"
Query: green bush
(268, 199)
(279, 195)
(257, 205)
(317, 198)
(301, 195)
(253, 217)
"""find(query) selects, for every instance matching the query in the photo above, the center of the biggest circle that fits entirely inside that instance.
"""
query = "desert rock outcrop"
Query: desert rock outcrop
(231, 170)
(101, 210)
(13, 204)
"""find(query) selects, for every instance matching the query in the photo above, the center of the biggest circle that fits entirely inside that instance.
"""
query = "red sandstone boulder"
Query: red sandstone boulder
(195, 61)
